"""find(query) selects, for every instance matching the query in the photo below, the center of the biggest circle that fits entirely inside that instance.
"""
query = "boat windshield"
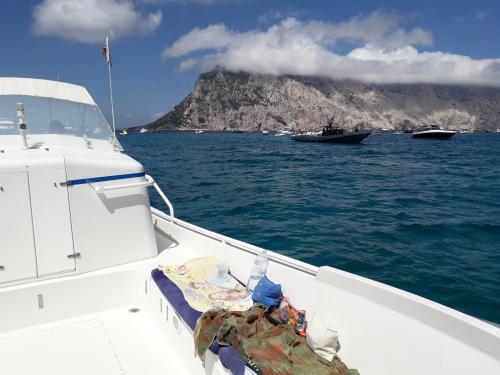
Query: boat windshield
(54, 116)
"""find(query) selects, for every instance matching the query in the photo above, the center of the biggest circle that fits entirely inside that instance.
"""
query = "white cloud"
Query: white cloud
(382, 52)
(89, 21)
(481, 15)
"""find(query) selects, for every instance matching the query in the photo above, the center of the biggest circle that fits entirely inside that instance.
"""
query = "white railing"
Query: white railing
(101, 189)
(164, 197)
(240, 245)
(149, 182)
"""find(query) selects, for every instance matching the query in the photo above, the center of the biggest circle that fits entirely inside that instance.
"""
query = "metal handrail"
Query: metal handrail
(149, 182)
(164, 197)
(101, 189)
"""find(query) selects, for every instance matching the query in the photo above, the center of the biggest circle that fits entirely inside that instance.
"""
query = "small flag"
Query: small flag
(105, 51)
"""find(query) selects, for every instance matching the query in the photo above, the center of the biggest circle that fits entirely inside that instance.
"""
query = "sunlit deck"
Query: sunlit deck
(112, 342)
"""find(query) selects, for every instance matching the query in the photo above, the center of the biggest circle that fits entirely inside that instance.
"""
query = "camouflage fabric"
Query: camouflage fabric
(267, 348)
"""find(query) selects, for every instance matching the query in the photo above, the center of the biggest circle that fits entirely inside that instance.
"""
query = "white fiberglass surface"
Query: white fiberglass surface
(112, 342)
(54, 116)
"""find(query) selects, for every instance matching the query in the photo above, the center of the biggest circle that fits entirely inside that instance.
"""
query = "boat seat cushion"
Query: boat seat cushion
(176, 298)
(227, 355)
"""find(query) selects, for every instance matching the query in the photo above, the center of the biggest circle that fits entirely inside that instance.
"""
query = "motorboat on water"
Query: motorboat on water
(286, 131)
(199, 132)
(143, 130)
(332, 134)
(124, 132)
(433, 132)
(79, 253)
(265, 131)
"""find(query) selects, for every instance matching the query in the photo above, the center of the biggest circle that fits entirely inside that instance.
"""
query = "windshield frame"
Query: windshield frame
(48, 116)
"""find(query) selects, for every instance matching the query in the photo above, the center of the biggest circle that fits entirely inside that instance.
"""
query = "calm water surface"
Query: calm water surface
(420, 215)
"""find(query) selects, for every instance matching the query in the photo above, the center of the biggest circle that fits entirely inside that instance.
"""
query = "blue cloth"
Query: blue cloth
(228, 356)
(267, 293)
(231, 360)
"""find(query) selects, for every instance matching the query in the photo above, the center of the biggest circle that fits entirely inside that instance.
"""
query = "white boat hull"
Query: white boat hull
(383, 330)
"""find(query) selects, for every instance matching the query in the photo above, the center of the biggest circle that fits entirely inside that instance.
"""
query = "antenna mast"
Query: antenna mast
(107, 55)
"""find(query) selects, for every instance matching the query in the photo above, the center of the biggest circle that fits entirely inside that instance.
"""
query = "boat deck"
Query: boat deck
(113, 342)
(83, 324)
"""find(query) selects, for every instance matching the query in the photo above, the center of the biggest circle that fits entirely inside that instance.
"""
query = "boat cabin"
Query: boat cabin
(330, 129)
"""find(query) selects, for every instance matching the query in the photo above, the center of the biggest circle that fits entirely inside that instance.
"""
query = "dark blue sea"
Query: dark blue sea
(420, 215)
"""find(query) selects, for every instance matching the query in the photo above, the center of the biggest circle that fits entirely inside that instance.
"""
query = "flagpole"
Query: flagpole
(107, 55)
(111, 96)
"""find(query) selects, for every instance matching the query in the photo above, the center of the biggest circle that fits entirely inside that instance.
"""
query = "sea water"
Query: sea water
(421, 215)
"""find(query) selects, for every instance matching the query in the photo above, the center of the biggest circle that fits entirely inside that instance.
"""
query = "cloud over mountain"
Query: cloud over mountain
(88, 21)
(382, 51)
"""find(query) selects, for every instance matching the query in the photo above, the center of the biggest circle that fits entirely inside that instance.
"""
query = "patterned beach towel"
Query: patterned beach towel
(207, 284)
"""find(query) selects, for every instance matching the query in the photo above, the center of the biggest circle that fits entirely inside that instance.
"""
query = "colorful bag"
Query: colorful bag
(286, 313)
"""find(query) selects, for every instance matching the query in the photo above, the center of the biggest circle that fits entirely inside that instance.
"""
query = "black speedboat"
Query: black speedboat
(332, 134)
(433, 132)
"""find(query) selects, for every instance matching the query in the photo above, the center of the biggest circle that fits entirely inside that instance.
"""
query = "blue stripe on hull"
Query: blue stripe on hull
(104, 178)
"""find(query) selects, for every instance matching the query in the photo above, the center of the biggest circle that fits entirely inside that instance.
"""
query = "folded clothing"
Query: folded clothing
(322, 337)
(207, 284)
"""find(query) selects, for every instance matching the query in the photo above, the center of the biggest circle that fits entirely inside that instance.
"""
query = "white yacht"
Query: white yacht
(433, 132)
(286, 131)
(80, 247)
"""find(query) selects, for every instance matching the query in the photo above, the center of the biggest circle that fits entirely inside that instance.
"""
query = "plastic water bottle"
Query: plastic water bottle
(259, 270)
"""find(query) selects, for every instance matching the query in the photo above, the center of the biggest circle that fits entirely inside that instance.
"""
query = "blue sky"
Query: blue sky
(159, 47)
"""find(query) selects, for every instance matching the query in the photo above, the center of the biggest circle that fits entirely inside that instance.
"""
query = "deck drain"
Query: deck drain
(134, 310)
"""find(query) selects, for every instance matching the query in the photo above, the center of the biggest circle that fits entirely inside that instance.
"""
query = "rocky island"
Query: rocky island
(223, 100)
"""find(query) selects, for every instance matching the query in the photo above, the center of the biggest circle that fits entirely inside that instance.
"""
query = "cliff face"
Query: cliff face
(225, 101)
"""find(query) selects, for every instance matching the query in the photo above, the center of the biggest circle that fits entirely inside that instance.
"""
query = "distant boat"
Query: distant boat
(433, 132)
(143, 130)
(286, 131)
(124, 132)
(398, 133)
(331, 134)
(265, 131)
(199, 132)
